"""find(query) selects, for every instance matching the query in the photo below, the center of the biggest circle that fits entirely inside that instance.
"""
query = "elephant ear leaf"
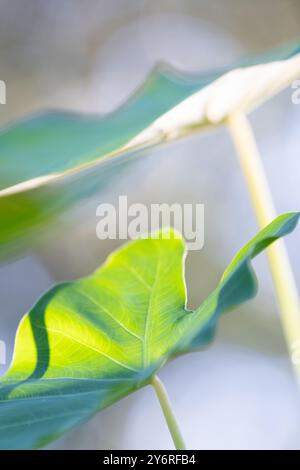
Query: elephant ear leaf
(52, 160)
(86, 344)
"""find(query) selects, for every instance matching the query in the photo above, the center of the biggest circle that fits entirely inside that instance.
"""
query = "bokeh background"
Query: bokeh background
(89, 55)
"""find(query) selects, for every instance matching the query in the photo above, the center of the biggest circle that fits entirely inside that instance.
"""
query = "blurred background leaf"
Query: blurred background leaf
(44, 159)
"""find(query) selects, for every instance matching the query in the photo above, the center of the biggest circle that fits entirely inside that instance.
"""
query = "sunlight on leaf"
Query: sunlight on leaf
(88, 343)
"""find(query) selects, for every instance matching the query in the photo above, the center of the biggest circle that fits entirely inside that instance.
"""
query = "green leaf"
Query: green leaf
(50, 161)
(88, 343)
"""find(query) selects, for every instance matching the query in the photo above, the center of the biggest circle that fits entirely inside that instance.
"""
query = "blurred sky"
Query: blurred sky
(90, 55)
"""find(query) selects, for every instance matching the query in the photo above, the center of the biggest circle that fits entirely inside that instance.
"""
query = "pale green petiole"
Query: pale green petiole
(168, 413)
(261, 198)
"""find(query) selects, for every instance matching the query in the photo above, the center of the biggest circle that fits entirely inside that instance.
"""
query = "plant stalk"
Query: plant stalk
(261, 198)
(168, 413)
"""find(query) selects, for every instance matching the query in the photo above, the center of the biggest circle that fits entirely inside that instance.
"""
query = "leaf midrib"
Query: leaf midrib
(149, 310)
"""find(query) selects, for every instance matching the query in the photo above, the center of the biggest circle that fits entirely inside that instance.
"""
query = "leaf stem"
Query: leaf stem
(165, 404)
(261, 198)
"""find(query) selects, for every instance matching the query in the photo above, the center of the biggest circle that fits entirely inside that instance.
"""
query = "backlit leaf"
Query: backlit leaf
(88, 343)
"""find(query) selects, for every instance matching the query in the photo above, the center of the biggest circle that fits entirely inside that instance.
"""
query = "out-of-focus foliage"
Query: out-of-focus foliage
(50, 161)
